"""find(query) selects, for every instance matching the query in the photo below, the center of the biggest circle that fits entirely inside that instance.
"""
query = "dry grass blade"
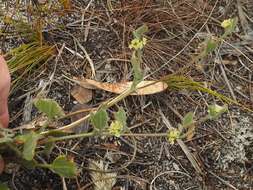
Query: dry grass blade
(25, 58)
(88, 58)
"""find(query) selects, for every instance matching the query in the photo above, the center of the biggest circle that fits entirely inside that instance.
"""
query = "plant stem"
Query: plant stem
(82, 135)
(145, 135)
(91, 134)
(43, 165)
(106, 105)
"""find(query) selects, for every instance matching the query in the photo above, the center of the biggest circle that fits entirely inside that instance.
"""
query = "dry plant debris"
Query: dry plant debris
(143, 88)
(101, 179)
(82, 95)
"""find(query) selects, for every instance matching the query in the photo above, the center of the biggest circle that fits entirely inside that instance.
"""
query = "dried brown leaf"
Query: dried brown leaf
(82, 95)
(191, 132)
(143, 88)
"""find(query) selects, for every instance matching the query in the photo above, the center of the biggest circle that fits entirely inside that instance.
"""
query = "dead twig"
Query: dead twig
(88, 58)
(242, 17)
(222, 180)
(227, 82)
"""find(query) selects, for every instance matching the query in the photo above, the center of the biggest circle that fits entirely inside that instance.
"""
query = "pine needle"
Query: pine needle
(23, 59)
(181, 82)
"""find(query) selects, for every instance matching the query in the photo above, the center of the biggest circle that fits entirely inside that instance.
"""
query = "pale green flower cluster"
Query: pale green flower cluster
(173, 135)
(138, 43)
(116, 128)
(228, 23)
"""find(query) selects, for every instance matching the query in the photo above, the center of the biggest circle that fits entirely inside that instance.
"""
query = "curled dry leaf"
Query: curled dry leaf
(82, 95)
(143, 88)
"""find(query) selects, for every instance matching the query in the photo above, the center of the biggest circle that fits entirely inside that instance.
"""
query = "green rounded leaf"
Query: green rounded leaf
(121, 116)
(64, 167)
(50, 107)
(137, 71)
(139, 32)
(214, 111)
(30, 143)
(188, 119)
(211, 45)
(99, 119)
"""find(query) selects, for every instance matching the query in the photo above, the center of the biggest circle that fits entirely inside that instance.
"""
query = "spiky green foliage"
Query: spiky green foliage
(25, 58)
(181, 82)
(33, 52)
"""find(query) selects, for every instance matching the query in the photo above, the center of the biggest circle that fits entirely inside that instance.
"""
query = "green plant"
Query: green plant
(24, 59)
(186, 129)
(29, 55)
(212, 42)
(25, 144)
